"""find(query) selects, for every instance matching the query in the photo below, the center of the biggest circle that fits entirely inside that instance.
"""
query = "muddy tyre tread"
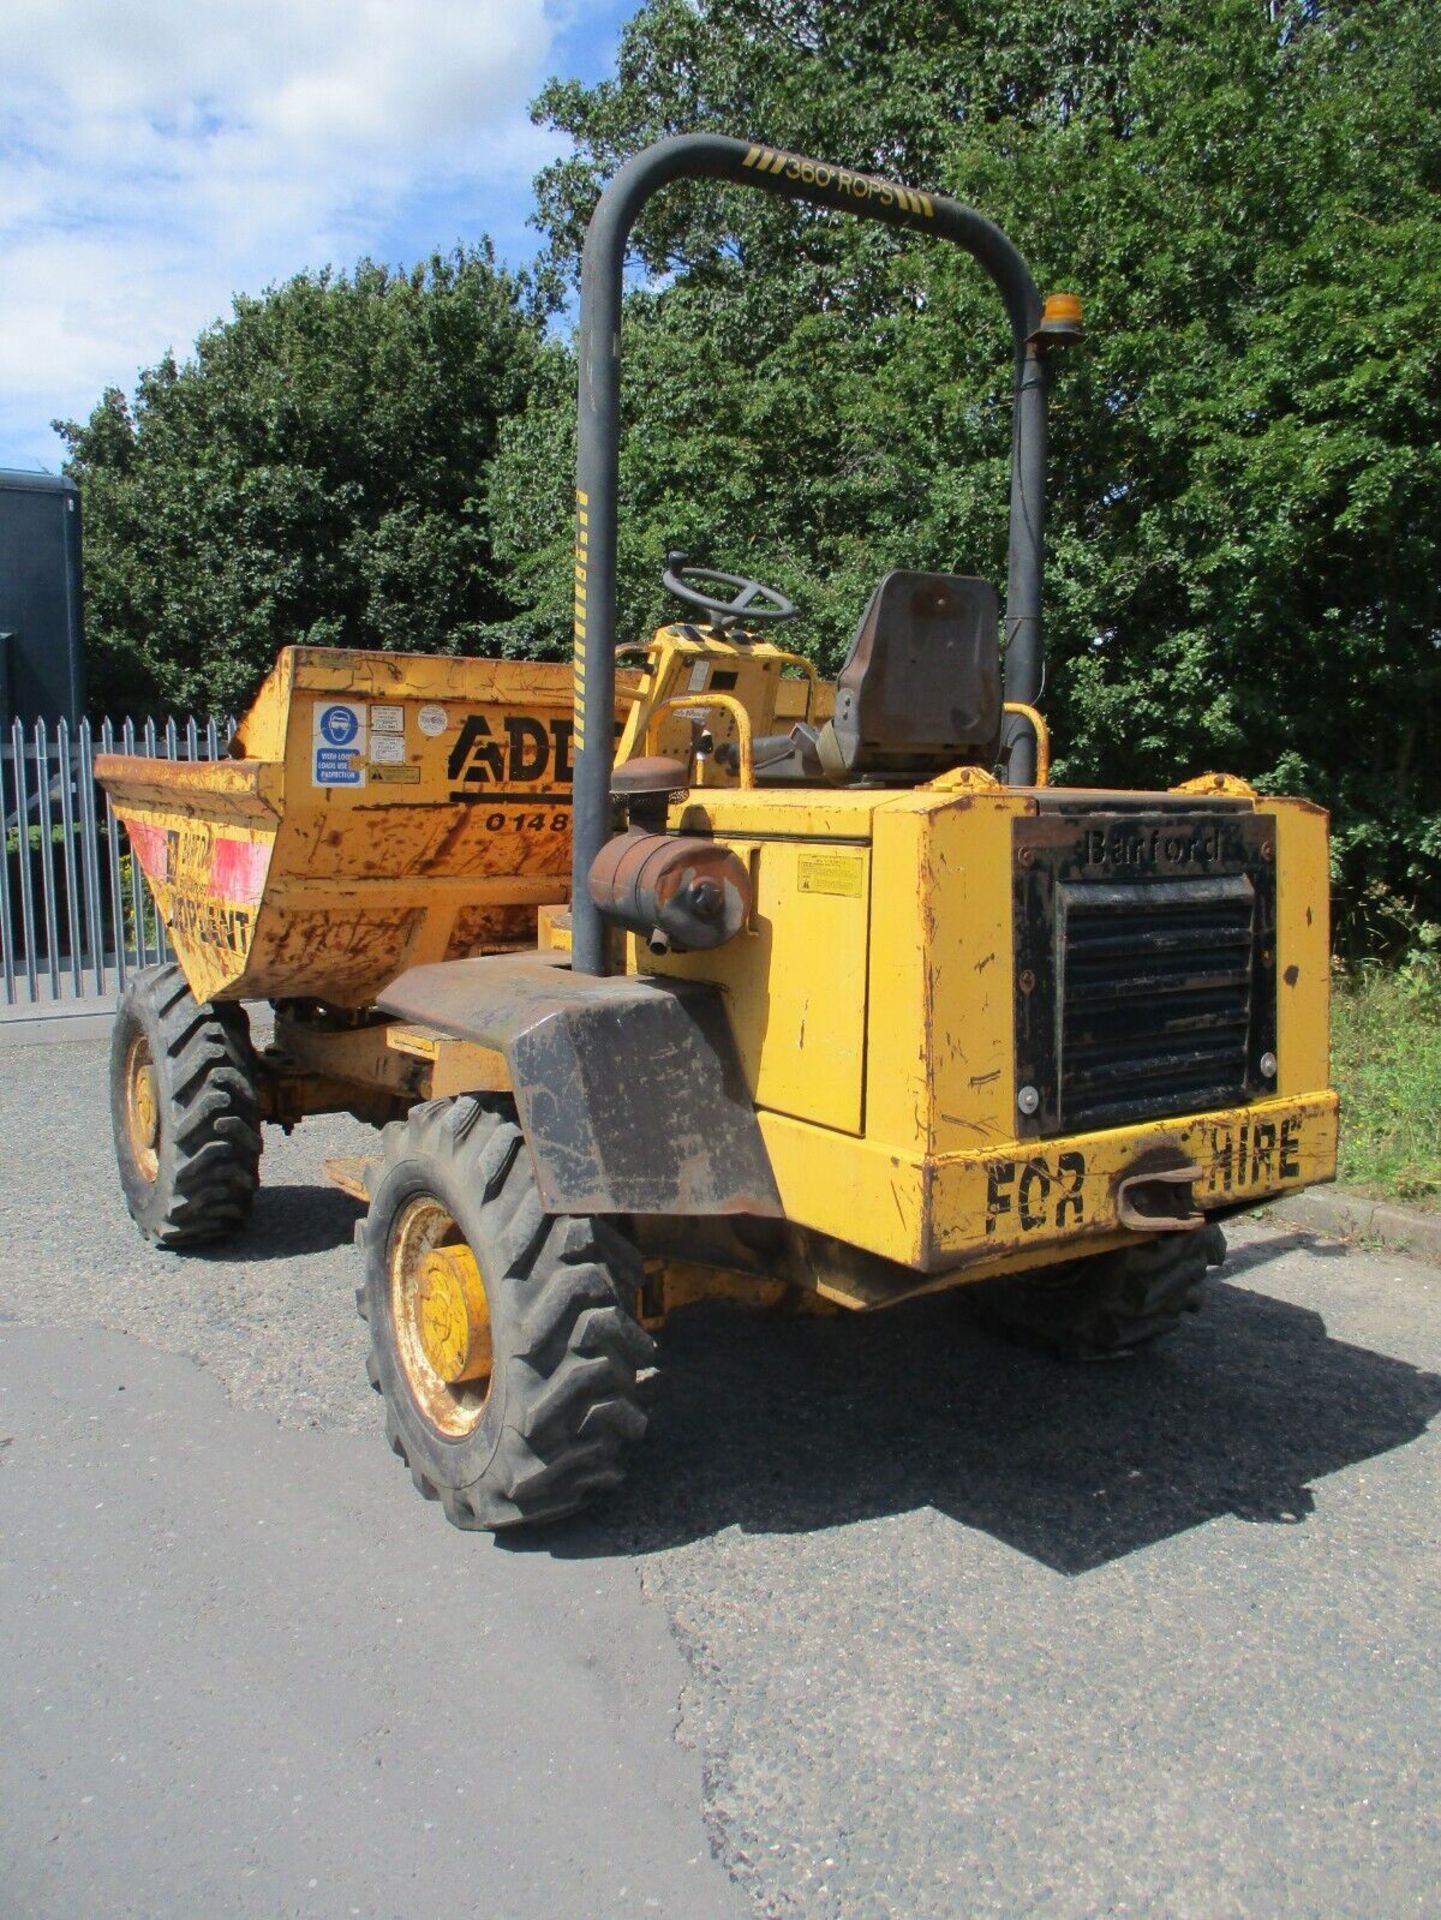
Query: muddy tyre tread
(1107, 1304)
(205, 1066)
(563, 1405)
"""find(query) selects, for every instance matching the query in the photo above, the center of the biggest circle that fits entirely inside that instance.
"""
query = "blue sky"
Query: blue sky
(157, 156)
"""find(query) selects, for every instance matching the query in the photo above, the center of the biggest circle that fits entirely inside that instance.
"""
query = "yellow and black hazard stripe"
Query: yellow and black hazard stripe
(582, 554)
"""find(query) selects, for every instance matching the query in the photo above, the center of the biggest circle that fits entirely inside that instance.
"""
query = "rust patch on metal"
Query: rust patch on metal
(675, 892)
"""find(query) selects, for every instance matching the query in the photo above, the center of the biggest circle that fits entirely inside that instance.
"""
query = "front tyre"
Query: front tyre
(501, 1336)
(185, 1111)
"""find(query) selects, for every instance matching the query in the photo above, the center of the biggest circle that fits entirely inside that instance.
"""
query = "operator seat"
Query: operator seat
(920, 691)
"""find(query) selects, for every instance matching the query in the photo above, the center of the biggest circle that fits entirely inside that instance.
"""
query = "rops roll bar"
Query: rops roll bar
(714, 156)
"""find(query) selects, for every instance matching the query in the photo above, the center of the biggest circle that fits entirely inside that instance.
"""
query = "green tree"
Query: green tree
(1245, 502)
(315, 472)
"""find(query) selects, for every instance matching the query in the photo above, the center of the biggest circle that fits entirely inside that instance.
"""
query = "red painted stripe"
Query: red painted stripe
(238, 869)
(151, 849)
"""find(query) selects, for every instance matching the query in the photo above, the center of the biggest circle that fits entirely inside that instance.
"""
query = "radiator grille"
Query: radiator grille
(1154, 1014)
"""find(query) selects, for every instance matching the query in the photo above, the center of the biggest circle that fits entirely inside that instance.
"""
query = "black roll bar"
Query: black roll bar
(748, 164)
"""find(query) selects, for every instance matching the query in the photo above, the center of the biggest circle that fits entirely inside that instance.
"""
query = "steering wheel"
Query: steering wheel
(741, 606)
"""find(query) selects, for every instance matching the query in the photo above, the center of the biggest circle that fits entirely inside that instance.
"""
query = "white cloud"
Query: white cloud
(157, 156)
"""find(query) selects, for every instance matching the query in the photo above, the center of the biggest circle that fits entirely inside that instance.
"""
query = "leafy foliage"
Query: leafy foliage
(313, 474)
(1245, 499)
(1246, 474)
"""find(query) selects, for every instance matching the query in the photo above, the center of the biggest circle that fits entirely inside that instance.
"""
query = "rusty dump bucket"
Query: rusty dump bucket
(379, 810)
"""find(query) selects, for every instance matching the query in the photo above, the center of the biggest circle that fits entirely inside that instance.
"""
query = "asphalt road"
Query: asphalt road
(891, 1619)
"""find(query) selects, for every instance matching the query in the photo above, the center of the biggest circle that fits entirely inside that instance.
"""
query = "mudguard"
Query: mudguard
(630, 1090)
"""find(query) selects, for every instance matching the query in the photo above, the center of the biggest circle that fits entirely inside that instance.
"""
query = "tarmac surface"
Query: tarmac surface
(890, 1620)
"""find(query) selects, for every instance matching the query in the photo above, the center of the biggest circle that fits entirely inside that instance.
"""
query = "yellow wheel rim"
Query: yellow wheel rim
(441, 1316)
(142, 1107)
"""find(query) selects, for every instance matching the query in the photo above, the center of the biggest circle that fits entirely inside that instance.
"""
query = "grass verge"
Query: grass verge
(1386, 1060)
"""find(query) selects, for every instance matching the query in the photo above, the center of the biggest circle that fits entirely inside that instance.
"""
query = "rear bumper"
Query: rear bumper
(1032, 1197)
(1023, 1204)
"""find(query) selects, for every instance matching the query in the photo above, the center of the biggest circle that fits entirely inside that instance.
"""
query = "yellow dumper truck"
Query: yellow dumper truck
(804, 989)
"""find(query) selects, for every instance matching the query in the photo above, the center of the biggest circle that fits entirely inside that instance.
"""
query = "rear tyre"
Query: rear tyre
(1107, 1304)
(501, 1336)
(185, 1111)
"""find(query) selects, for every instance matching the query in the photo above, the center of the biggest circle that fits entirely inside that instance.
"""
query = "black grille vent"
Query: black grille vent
(1155, 984)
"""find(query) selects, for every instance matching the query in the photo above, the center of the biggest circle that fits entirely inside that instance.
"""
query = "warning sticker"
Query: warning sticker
(339, 744)
(831, 873)
(387, 719)
(386, 749)
(407, 775)
(433, 721)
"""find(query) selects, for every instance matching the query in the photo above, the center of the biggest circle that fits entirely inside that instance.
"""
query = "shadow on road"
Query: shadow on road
(786, 1426)
(1259, 1253)
(288, 1221)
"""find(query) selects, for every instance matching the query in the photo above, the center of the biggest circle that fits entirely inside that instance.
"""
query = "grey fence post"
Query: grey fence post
(7, 916)
(90, 855)
(28, 940)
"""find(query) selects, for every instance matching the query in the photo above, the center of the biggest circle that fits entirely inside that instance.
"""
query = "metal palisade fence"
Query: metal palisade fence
(76, 915)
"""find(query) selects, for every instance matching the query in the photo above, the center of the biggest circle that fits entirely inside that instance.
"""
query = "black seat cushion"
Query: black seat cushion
(921, 687)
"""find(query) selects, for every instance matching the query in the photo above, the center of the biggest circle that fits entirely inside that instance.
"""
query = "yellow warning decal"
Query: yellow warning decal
(828, 179)
(832, 873)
